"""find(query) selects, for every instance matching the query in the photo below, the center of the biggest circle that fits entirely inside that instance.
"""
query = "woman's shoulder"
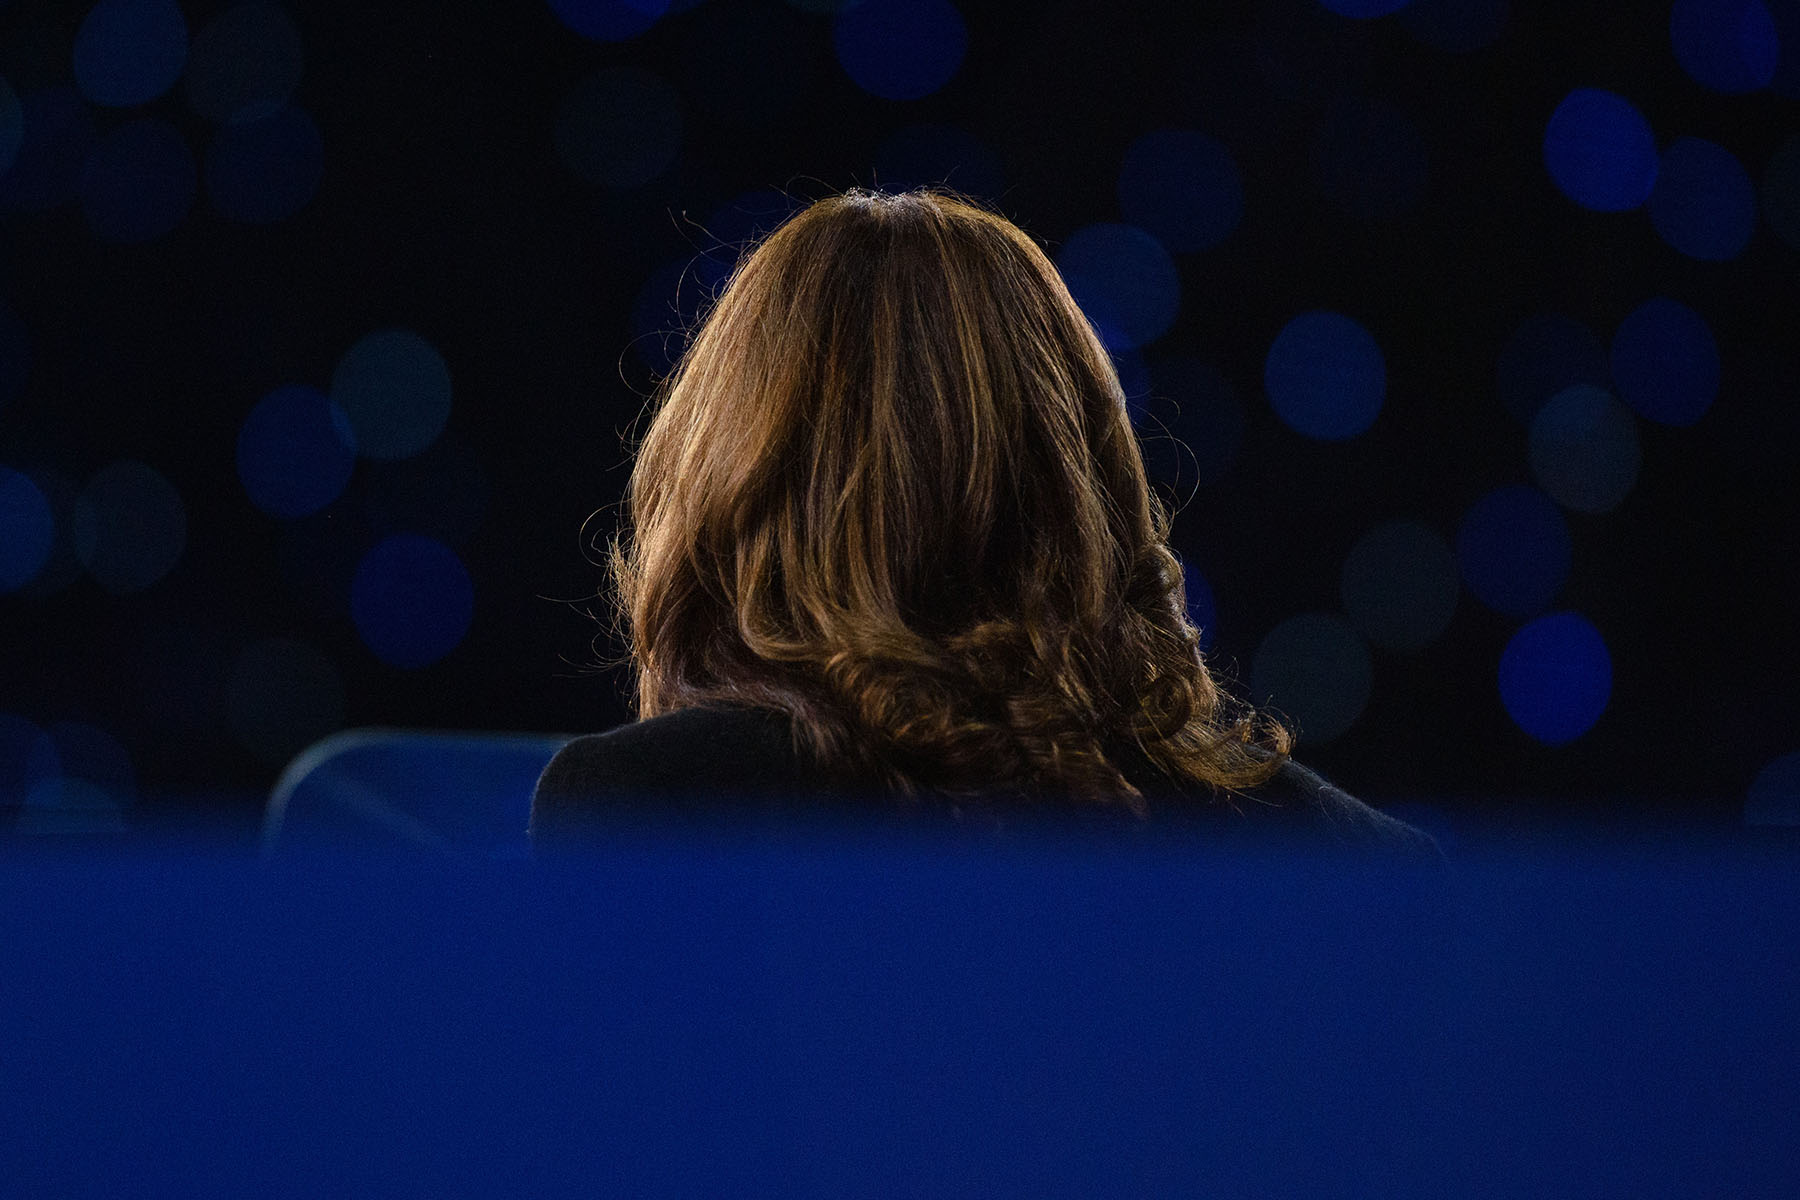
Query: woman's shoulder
(720, 758)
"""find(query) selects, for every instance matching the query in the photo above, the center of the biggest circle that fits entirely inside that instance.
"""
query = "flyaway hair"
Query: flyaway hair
(892, 489)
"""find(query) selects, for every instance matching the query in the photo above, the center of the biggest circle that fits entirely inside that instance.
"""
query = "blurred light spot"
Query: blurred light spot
(1325, 376)
(1703, 203)
(915, 155)
(1123, 280)
(58, 131)
(1183, 187)
(130, 51)
(1400, 585)
(281, 696)
(95, 783)
(749, 66)
(139, 182)
(15, 355)
(12, 125)
(1316, 669)
(1600, 151)
(27, 758)
(129, 527)
(1727, 45)
(263, 171)
(441, 493)
(1546, 354)
(737, 225)
(1370, 159)
(394, 388)
(244, 64)
(62, 568)
(900, 49)
(1514, 550)
(295, 452)
(1556, 677)
(619, 127)
(1202, 605)
(27, 530)
(1774, 797)
(1781, 188)
(412, 600)
(667, 308)
(1456, 26)
(1192, 415)
(1666, 362)
(609, 20)
(1584, 449)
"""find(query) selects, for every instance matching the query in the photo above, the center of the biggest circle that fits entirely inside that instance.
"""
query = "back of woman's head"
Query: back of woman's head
(892, 489)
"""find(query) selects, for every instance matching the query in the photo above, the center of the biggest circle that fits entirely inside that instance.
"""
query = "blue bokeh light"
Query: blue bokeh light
(619, 128)
(1399, 585)
(62, 568)
(394, 389)
(1202, 605)
(1703, 203)
(1774, 797)
(129, 527)
(295, 452)
(1600, 151)
(900, 49)
(412, 600)
(27, 530)
(1556, 677)
(1363, 10)
(1192, 416)
(1183, 187)
(130, 51)
(1514, 550)
(915, 155)
(12, 125)
(1730, 46)
(139, 182)
(1781, 187)
(1456, 26)
(1665, 362)
(244, 64)
(1325, 376)
(609, 20)
(281, 695)
(1317, 670)
(58, 131)
(1584, 449)
(1124, 280)
(1546, 354)
(264, 171)
(1370, 159)
(27, 758)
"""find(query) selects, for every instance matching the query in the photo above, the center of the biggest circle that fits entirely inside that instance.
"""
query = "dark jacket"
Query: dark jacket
(723, 763)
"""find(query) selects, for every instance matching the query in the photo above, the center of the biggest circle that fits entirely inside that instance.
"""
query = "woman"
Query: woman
(893, 546)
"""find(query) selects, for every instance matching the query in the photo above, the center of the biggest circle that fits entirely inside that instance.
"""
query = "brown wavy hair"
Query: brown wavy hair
(891, 489)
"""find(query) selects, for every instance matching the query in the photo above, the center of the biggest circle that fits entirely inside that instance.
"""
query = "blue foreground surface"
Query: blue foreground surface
(816, 1014)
